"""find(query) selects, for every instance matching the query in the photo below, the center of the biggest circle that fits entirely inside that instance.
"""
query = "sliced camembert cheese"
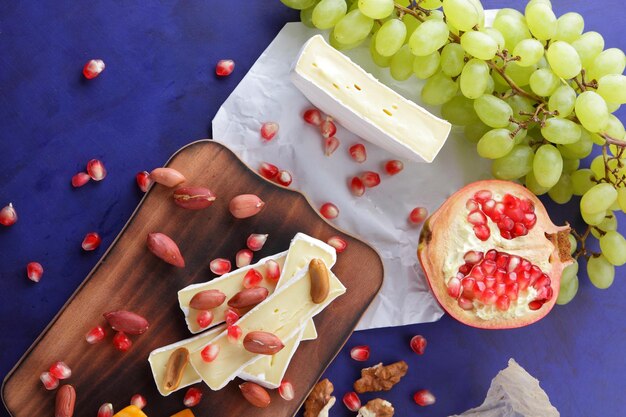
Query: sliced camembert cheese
(365, 106)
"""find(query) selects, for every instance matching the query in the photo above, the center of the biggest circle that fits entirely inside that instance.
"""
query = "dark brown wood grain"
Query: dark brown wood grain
(129, 277)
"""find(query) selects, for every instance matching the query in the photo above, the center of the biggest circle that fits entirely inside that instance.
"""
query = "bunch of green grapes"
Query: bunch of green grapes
(534, 92)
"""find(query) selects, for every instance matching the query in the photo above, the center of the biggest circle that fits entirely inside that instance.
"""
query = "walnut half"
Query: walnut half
(319, 400)
(380, 378)
(376, 408)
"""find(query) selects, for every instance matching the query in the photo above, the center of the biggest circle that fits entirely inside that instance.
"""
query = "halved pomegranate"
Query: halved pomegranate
(492, 257)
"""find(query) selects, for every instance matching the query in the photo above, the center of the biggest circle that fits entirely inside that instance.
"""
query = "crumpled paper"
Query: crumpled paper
(380, 216)
(514, 393)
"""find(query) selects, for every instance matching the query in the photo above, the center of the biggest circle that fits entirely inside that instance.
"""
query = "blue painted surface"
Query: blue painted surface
(159, 93)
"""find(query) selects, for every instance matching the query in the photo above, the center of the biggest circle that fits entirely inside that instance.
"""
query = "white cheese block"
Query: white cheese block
(365, 106)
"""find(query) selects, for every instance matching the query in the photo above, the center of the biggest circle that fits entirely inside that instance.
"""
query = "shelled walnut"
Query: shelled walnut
(376, 408)
(319, 400)
(380, 378)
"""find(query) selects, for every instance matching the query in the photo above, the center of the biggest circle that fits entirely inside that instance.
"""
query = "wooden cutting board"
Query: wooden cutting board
(129, 277)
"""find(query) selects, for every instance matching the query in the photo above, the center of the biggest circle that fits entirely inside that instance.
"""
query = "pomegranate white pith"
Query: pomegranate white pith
(523, 286)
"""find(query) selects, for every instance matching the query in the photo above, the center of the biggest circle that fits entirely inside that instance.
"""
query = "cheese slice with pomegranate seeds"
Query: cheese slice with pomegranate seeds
(365, 106)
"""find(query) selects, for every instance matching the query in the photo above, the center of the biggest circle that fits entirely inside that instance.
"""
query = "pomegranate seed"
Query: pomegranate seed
(105, 410)
(329, 211)
(34, 271)
(424, 397)
(204, 318)
(252, 279)
(465, 303)
(143, 180)
(93, 68)
(234, 333)
(8, 215)
(220, 266)
(243, 258)
(284, 178)
(358, 152)
(472, 205)
(477, 218)
(482, 196)
(49, 381)
(60, 370)
(138, 401)
(418, 215)
(352, 401)
(473, 257)
(312, 116)
(209, 353)
(489, 296)
(256, 241)
(268, 170)
(272, 270)
(231, 317)
(482, 232)
(328, 128)
(393, 167)
(370, 179)
(121, 342)
(356, 187)
(338, 243)
(91, 241)
(454, 287)
(80, 179)
(96, 170)
(224, 67)
(286, 391)
(95, 335)
(330, 145)
(360, 353)
(192, 397)
(503, 303)
(269, 130)
(418, 344)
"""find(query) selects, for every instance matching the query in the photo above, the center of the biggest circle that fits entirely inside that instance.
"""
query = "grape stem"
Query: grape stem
(581, 239)
(584, 85)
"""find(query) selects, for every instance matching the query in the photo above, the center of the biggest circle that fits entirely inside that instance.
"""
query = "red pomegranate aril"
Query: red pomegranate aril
(356, 187)
(243, 258)
(351, 401)
(231, 317)
(256, 241)
(488, 266)
(328, 128)
(514, 261)
(472, 205)
(269, 130)
(530, 219)
(105, 410)
(284, 178)
(503, 303)
(338, 243)
(479, 287)
(393, 167)
(220, 266)
(95, 335)
(535, 305)
(138, 401)
(143, 180)
(329, 211)
(91, 241)
(204, 318)
(60, 370)
(482, 196)
(252, 279)
(490, 281)
(286, 391)
(192, 397)
(482, 232)
(424, 397)
(502, 260)
(360, 353)
(491, 255)
(465, 303)
(312, 116)
(370, 179)
(454, 287)
(478, 273)
(473, 257)
(500, 288)
(489, 296)
(49, 381)
(477, 218)
(121, 342)
(80, 179)
(465, 269)
(272, 270)
(512, 291)
(330, 145)
(234, 333)
(468, 287)
(224, 67)
(210, 352)
(358, 152)
(93, 68)
(268, 170)
(506, 224)
(96, 170)
(34, 271)
(418, 215)
(543, 281)
(8, 215)
(418, 344)
(510, 278)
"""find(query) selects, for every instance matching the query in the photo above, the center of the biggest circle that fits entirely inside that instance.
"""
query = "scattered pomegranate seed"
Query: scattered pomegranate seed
(138, 401)
(284, 178)
(330, 145)
(8, 215)
(93, 68)
(96, 170)
(256, 241)
(234, 333)
(393, 167)
(286, 390)
(272, 270)
(418, 344)
(91, 241)
(204, 318)
(268, 170)
(243, 258)
(418, 215)
(143, 180)
(192, 397)
(313, 117)
(360, 353)
(328, 128)
(34, 271)
(358, 152)
(224, 67)
(424, 397)
(220, 266)
(231, 317)
(121, 342)
(269, 130)
(80, 179)
(252, 279)
(95, 335)
(352, 401)
(60, 370)
(370, 179)
(49, 381)
(329, 211)
(356, 187)
(105, 410)
(338, 243)
(209, 353)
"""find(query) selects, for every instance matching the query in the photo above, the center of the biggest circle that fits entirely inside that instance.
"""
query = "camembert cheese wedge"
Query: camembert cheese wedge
(365, 106)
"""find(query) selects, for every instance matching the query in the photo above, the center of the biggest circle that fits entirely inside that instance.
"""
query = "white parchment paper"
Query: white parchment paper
(380, 216)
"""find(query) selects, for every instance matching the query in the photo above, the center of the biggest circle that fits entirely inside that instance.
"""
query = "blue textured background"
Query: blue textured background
(159, 93)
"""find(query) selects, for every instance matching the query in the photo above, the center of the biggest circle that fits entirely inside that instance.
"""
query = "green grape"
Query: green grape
(598, 168)
(493, 111)
(381, 61)
(520, 104)
(376, 9)
(353, 27)
(573, 245)
(534, 186)
(544, 82)
(306, 17)
(436, 15)
(547, 165)
(563, 59)
(479, 45)
(569, 27)
(328, 12)
(390, 37)
(411, 24)
(495, 144)
(426, 66)
(614, 127)
(570, 165)
(621, 198)
(599, 198)
(582, 181)
(541, 21)
(299, 4)
(509, 12)
(461, 14)
(491, 85)
(481, 13)
(610, 61)
(612, 88)
(593, 218)
(580, 149)
(439, 89)
(591, 111)
(613, 247)
(561, 131)
(520, 75)
(459, 111)
(613, 107)
(495, 35)
(515, 165)
(401, 65)
(332, 40)
(530, 52)
(563, 100)
(520, 134)
(531, 3)
(588, 46)
(452, 59)
(475, 131)
(568, 290)
(512, 28)
(474, 79)
(431, 4)
(570, 272)
(428, 37)
(607, 224)
(601, 272)
(563, 190)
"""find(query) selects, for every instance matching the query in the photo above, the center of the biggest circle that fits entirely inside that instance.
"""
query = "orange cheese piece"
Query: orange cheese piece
(130, 411)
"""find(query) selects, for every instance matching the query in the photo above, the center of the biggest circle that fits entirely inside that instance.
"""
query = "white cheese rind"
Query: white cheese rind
(365, 106)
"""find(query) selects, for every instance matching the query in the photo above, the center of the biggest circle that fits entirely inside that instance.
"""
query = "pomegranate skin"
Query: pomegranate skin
(436, 240)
